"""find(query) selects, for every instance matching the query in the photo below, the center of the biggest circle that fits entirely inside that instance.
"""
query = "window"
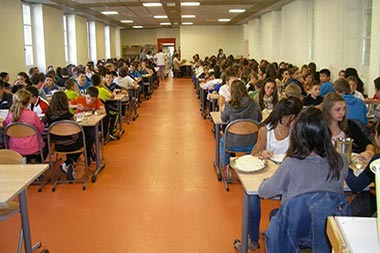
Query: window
(28, 38)
(65, 38)
(107, 41)
(366, 37)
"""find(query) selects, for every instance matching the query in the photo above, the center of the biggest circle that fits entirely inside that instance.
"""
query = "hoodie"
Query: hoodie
(356, 109)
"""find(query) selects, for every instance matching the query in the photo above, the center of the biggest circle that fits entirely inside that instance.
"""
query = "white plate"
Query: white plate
(279, 158)
(248, 163)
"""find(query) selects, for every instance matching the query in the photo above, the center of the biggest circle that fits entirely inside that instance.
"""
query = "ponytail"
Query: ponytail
(20, 100)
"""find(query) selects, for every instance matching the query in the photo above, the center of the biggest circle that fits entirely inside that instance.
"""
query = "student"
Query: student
(353, 82)
(353, 72)
(59, 110)
(21, 82)
(326, 85)
(109, 122)
(295, 77)
(224, 91)
(19, 112)
(220, 56)
(313, 98)
(334, 109)
(89, 103)
(293, 90)
(37, 103)
(356, 108)
(241, 106)
(358, 182)
(65, 76)
(267, 97)
(5, 97)
(252, 80)
(81, 81)
(49, 85)
(342, 73)
(311, 164)
(4, 76)
(71, 91)
(273, 139)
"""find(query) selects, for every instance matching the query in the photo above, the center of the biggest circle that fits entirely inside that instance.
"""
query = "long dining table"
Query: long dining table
(14, 179)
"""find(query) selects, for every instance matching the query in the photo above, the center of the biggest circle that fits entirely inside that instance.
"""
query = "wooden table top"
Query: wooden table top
(119, 96)
(92, 120)
(252, 181)
(216, 118)
(15, 177)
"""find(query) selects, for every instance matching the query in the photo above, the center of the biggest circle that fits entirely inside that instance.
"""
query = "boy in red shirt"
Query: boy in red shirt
(86, 103)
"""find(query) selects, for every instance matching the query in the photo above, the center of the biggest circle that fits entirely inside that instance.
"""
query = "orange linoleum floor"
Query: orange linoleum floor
(158, 192)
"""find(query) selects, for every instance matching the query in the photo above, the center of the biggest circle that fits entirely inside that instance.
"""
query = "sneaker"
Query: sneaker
(63, 168)
(70, 172)
(251, 245)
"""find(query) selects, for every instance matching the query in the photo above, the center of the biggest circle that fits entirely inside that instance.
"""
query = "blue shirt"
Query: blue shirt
(326, 88)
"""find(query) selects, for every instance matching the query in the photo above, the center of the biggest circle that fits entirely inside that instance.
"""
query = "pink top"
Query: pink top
(27, 145)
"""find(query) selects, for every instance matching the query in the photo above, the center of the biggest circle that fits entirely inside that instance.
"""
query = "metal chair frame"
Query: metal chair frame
(23, 130)
(243, 127)
(66, 128)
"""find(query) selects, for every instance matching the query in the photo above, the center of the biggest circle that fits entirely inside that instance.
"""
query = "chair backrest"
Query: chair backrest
(64, 128)
(22, 130)
(8, 156)
(241, 133)
(301, 222)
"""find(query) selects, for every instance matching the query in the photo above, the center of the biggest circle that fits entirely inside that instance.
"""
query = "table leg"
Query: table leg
(216, 162)
(203, 103)
(99, 159)
(120, 118)
(25, 221)
(244, 233)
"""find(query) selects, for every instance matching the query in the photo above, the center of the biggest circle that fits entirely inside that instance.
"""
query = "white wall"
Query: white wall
(54, 42)
(338, 26)
(99, 35)
(81, 42)
(374, 65)
(12, 58)
(271, 35)
(142, 37)
(206, 40)
(295, 33)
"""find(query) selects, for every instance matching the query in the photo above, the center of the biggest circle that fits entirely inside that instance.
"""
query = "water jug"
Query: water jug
(344, 147)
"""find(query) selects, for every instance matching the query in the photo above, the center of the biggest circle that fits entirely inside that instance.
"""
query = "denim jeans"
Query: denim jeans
(254, 217)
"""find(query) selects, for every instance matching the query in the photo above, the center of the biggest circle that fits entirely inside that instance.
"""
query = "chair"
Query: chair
(239, 136)
(24, 130)
(66, 128)
(301, 222)
(8, 156)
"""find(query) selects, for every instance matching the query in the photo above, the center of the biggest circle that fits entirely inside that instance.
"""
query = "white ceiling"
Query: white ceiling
(207, 13)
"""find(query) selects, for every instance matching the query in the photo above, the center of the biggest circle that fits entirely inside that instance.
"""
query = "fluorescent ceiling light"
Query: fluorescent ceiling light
(188, 16)
(237, 10)
(161, 16)
(152, 4)
(190, 3)
(110, 12)
(126, 21)
(137, 26)
(224, 20)
(187, 23)
(167, 23)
